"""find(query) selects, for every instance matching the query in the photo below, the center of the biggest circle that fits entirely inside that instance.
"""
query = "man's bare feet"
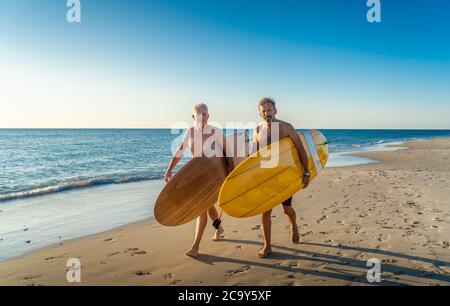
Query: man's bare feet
(193, 252)
(265, 251)
(295, 237)
(219, 234)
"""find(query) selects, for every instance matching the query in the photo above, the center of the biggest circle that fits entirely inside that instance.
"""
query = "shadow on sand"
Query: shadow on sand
(342, 272)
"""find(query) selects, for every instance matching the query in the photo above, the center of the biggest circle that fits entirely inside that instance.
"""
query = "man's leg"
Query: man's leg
(200, 228)
(214, 216)
(267, 228)
(292, 216)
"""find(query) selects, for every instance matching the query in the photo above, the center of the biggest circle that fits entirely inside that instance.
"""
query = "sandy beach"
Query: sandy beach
(396, 211)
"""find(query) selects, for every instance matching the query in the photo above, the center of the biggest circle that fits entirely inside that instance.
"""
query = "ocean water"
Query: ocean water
(35, 162)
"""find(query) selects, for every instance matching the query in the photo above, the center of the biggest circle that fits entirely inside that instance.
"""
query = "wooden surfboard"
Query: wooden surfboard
(194, 189)
(250, 189)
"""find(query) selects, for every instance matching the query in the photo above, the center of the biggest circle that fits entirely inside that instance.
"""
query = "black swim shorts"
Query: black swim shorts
(288, 202)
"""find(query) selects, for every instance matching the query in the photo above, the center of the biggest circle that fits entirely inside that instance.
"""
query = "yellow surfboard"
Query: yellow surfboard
(271, 175)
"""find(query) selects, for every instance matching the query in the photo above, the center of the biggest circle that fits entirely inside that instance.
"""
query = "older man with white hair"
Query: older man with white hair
(195, 139)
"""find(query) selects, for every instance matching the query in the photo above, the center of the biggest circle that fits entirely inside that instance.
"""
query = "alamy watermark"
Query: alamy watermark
(206, 141)
(74, 13)
(73, 274)
(374, 273)
(374, 13)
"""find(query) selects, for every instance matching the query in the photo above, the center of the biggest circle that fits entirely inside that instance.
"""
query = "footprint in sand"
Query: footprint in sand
(239, 247)
(131, 250)
(233, 272)
(330, 242)
(139, 253)
(30, 277)
(290, 276)
(307, 233)
(382, 237)
(323, 218)
(363, 214)
(415, 224)
(411, 204)
(257, 227)
(358, 231)
(112, 254)
(175, 282)
(142, 273)
(389, 261)
(167, 276)
(135, 251)
(55, 257)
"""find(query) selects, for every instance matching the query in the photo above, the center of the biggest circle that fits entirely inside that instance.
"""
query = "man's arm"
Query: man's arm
(301, 151)
(173, 162)
(177, 157)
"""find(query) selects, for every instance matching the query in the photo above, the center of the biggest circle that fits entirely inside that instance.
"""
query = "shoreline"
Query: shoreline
(406, 228)
(31, 224)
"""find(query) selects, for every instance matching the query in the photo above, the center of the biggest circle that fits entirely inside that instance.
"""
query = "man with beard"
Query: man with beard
(270, 131)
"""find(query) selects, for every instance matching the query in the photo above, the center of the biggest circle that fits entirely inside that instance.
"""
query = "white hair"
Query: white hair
(199, 106)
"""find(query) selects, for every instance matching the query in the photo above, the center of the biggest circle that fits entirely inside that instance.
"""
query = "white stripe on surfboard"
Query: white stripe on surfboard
(313, 150)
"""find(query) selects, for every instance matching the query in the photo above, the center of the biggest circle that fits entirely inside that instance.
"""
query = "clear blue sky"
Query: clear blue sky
(144, 63)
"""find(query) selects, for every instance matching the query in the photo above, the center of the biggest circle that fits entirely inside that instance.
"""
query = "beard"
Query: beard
(268, 118)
